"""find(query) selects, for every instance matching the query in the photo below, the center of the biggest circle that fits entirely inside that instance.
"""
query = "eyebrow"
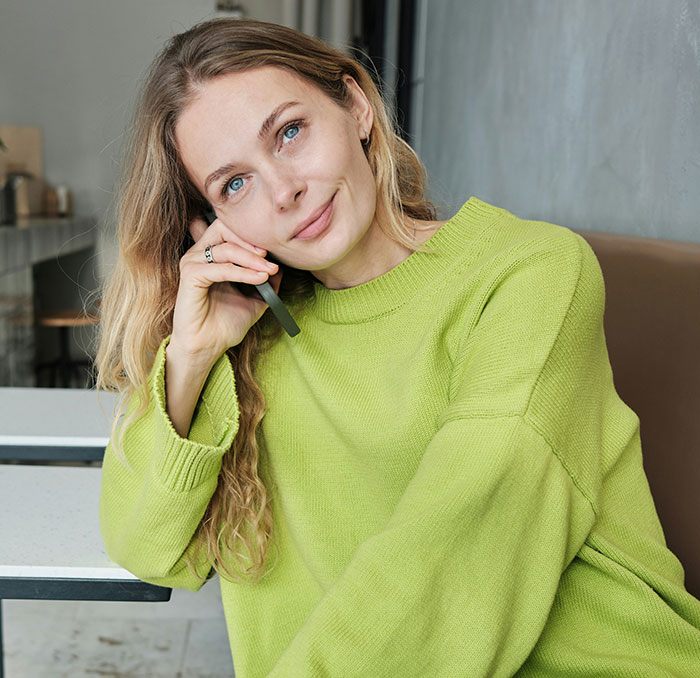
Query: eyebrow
(264, 131)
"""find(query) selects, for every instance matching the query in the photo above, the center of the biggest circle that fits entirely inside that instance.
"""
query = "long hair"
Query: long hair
(157, 201)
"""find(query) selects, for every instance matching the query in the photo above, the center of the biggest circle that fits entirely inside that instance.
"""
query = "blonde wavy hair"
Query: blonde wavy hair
(157, 201)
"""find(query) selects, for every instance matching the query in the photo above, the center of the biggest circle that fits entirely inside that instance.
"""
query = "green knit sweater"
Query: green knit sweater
(457, 488)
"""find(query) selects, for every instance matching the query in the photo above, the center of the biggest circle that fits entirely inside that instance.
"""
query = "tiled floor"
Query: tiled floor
(182, 638)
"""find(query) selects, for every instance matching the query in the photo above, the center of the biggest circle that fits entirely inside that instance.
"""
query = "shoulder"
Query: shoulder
(525, 262)
(558, 254)
(540, 301)
(568, 251)
(539, 234)
(535, 273)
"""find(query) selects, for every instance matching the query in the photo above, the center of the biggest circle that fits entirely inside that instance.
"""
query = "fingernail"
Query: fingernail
(259, 250)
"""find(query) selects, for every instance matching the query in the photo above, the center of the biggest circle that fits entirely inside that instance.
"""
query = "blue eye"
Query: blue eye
(289, 129)
(231, 184)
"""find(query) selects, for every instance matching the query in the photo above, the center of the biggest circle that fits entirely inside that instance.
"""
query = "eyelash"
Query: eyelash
(295, 123)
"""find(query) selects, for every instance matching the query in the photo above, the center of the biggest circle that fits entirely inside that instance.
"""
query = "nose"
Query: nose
(287, 187)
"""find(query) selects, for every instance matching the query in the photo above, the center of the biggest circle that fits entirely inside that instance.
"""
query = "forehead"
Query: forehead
(252, 91)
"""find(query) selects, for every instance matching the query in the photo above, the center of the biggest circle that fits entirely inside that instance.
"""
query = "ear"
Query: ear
(362, 109)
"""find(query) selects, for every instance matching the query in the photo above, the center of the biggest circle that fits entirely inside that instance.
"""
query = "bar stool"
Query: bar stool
(64, 366)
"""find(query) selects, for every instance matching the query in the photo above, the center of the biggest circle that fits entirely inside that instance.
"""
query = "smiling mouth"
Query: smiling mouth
(319, 224)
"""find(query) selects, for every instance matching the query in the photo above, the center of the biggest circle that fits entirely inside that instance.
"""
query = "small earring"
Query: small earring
(365, 141)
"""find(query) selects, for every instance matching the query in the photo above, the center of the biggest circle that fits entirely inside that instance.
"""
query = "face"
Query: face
(264, 187)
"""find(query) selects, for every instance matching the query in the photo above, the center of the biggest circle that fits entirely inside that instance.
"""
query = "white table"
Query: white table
(50, 529)
(51, 546)
(65, 424)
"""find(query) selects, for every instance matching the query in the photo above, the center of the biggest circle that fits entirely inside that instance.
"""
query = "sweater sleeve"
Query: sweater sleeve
(461, 579)
(149, 513)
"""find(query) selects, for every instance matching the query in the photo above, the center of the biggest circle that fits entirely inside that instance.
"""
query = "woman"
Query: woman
(448, 480)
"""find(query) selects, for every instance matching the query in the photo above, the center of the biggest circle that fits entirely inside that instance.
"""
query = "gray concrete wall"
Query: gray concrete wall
(584, 113)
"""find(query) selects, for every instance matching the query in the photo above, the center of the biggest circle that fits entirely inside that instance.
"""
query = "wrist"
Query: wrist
(185, 376)
(193, 361)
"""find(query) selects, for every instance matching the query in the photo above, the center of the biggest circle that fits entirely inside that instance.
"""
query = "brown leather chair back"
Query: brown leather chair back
(652, 328)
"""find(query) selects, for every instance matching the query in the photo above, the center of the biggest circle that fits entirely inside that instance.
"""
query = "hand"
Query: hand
(210, 314)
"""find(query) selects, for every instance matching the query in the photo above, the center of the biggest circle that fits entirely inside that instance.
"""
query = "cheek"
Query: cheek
(333, 154)
(362, 173)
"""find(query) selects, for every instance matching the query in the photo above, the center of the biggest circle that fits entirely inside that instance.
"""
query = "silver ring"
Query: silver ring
(207, 254)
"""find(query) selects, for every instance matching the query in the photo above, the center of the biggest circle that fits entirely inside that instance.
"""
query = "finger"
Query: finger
(230, 235)
(203, 275)
(208, 234)
(218, 232)
(229, 252)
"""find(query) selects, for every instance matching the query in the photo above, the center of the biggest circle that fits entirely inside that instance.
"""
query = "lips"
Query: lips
(306, 223)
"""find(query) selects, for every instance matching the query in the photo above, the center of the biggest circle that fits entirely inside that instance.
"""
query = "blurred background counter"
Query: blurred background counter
(46, 269)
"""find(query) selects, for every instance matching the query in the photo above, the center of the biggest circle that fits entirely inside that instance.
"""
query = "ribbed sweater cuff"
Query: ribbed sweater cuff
(184, 463)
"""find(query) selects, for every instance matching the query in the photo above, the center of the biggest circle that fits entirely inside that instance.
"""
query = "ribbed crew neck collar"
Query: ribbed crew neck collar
(397, 286)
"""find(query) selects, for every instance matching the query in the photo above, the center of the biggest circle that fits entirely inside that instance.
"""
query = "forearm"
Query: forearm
(166, 475)
(184, 379)
(462, 577)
